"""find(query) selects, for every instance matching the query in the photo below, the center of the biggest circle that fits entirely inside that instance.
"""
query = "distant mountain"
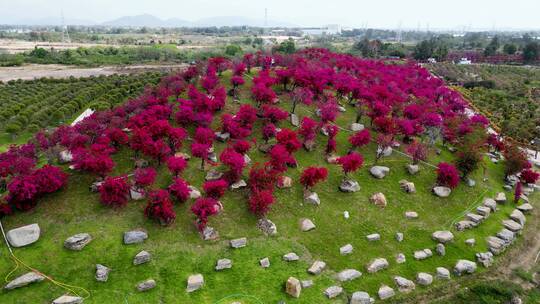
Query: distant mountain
(152, 21)
(146, 20)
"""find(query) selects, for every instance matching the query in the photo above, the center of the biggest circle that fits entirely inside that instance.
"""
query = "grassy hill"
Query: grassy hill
(178, 251)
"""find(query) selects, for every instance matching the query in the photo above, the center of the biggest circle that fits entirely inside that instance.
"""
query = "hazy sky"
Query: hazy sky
(450, 14)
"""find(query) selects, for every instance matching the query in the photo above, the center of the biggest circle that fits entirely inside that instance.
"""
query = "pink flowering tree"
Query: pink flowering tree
(312, 176)
(114, 191)
(447, 175)
(176, 165)
(160, 207)
(179, 189)
(359, 139)
(350, 163)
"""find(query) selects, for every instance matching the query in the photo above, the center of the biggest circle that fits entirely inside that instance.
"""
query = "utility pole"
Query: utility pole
(65, 33)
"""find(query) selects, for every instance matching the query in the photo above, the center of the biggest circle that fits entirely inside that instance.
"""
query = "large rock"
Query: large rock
(413, 169)
(102, 273)
(411, 215)
(349, 275)
(424, 279)
(465, 224)
(378, 199)
(213, 175)
(333, 291)
(399, 237)
(306, 225)
(379, 171)
(440, 249)
(209, 234)
(222, 136)
(223, 264)
(377, 265)
(483, 211)
(491, 204)
(238, 243)
(512, 225)
(238, 185)
(65, 156)
(347, 249)
(464, 267)
(500, 198)
(194, 282)
(485, 258)
(497, 245)
(142, 257)
(518, 216)
(317, 267)
(373, 237)
(355, 127)
(137, 194)
(291, 257)
(306, 283)
(400, 258)
(23, 280)
(267, 226)
(476, 218)
(361, 297)
(284, 182)
(443, 273)
(385, 292)
(423, 254)
(312, 198)
(404, 285)
(294, 120)
(506, 235)
(442, 191)
(194, 193)
(349, 186)
(471, 242)
(65, 299)
(525, 207)
(407, 186)
(146, 285)
(24, 235)
(265, 263)
(443, 236)
(135, 237)
(293, 287)
(78, 241)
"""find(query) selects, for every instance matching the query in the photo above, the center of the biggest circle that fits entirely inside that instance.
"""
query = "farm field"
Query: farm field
(177, 249)
(27, 106)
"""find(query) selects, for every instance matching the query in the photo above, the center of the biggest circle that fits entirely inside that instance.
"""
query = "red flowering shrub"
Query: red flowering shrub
(204, 136)
(23, 192)
(417, 151)
(117, 136)
(203, 208)
(262, 178)
(200, 151)
(360, 138)
(179, 189)
(114, 191)
(529, 176)
(144, 177)
(97, 163)
(269, 131)
(447, 175)
(279, 158)
(350, 162)
(331, 145)
(308, 129)
(260, 202)
(49, 179)
(176, 165)
(313, 175)
(215, 188)
(160, 207)
(274, 114)
(241, 146)
(236, 163)
(288, 139)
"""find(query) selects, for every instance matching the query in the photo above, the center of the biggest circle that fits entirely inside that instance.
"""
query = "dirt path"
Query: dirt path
(32, 71)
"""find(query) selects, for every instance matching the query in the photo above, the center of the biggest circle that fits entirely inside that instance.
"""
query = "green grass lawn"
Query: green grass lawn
(178, 251)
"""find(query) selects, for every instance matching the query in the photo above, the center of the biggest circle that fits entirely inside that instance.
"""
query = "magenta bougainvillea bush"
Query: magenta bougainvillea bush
(185, 113)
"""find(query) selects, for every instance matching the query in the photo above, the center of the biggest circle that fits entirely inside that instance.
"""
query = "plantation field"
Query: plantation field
(178, 251)
(508, 95)
(28, 106)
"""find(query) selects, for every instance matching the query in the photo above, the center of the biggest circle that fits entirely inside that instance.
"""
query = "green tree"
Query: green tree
(288, 46)
(233, 49)
(531, 52)
(492, 47)
(510, 48)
